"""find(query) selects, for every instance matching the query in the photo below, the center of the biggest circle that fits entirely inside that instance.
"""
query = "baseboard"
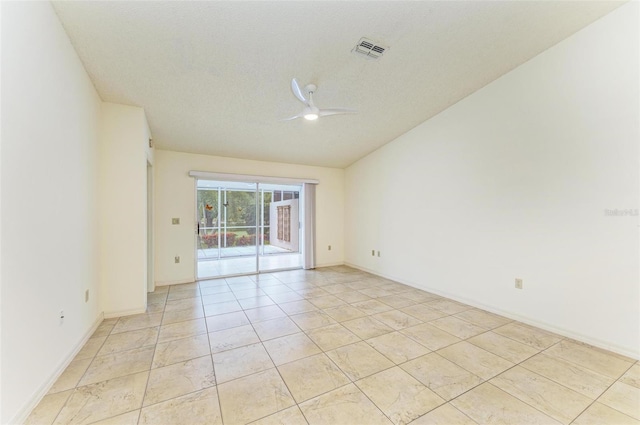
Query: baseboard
(174, 282)
(26, 410)
(120, 313)
(341, 263)
(625, 351)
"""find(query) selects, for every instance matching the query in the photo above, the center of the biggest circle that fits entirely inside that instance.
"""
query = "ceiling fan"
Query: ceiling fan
(311, 111)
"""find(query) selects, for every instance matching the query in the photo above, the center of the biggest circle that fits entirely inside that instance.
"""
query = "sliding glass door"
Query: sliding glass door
(246, 228)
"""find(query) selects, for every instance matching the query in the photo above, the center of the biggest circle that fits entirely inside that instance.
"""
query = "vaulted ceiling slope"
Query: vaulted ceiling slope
(214, 77)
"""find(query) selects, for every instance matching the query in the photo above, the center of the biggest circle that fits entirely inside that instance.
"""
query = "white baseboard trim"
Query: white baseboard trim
(37, 396)
(341, 263)
(120, 313)
(174, 282)
(625, 351)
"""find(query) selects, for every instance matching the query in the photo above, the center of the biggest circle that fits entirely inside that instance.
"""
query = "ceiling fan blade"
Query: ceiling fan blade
(300, 115)
(336, 111)
(295, 88)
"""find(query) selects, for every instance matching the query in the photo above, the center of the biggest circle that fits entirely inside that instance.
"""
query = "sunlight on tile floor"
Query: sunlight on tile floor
(333, 346)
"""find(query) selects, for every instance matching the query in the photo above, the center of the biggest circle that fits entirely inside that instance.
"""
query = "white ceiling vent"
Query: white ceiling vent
(369, 49)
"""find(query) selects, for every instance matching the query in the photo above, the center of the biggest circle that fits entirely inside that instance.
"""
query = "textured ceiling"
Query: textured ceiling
(214, 77)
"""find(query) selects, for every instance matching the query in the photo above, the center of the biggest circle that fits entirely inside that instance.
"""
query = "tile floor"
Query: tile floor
(333, 346)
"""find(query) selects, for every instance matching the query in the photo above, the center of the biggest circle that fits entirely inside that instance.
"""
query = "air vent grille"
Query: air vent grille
(369, 49)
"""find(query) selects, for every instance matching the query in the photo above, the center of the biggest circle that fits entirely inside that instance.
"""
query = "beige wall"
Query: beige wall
(50, 137)
(174, 195)
(513, 182)
(123, 209)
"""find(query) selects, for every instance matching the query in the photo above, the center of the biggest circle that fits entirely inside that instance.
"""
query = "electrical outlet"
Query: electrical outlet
(518, 283)
(329, 249)
(86, 296)
(61, 316)
(378, 253)
(177, 259)
(373, 252)
(175, 221)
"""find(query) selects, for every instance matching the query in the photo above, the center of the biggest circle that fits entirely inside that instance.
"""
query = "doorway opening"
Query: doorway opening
(247, 228)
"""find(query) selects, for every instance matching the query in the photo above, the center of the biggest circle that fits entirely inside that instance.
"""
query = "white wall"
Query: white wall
(513, 182)
(50, 132)
(123, 209)
(174, 193)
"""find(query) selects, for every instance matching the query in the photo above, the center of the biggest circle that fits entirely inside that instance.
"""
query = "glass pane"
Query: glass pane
(238, 237)
(207, 205)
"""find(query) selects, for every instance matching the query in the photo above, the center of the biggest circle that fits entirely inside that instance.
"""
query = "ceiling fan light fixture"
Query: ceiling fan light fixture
(311, 116)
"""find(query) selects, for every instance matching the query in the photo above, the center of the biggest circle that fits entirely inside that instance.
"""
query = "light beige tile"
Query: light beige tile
(345, 405)
(253, 397)
(289, 416)
(154, 308)
(448, 306)
(312, 319)
(400, 396)
(624, 398)
(457, 327)
(196, 408)
(291, 347)
(444, 415)
(396, 319)
(352, 296)
(181, 350)
(183, 304)
(422, 312)
(344, 313)
(129, 340)
(599, 414)
(221, 308)
(255, 302)
(476, 360)
(103, 400)
(129, 418)
(570, 375)
(430, 336)
(157, 298)
(137, 321)
(483, 318)
(332, 336)
(312, 292)
(48, 408)
(183, 286)
(367, 327)
(598, 360)
(183, 293)
(276, 289)
(275, 328)
(632, 376)
(376, 292)
(71, 376)
(264, 313)
(212, 289)
(504, 347)
(286, 297)
(104, 329)
(239, 362)
(228, 339)
(182, 330)
(295, 307)
(226, 321)
(327, 301)
(372, 306)
(445, 378)
(119, 364)
(359, 360)
(553, 399)
(489, 405)
(249, 293)
(312, 376)
(528, 335)
(182, 315)
(179, 379)
(220, 297)
(397, 301)
(90, 348)
(397, 347)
